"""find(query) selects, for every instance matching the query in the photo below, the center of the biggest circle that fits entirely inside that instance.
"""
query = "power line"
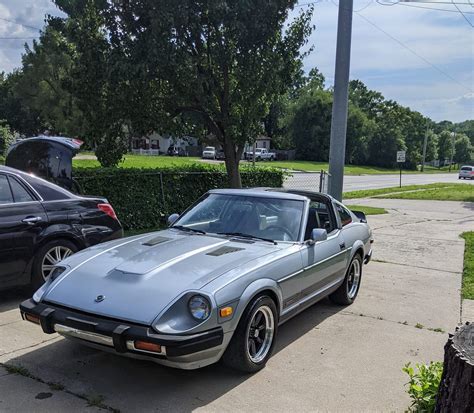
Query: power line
(18, 38)
(20, 24)
(422, 7)
(415, 53)
(462, 14)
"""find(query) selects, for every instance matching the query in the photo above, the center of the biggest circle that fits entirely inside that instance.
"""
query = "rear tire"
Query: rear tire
(348, 290)
(253, 340)
(54, 250)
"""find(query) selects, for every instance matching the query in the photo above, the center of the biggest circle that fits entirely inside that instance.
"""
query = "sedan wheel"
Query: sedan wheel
(253, 340)
(53, 257)
(47, 256)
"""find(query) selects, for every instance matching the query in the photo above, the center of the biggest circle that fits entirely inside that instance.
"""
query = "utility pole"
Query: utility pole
(337, 149)
(452, 149)
(425, 144)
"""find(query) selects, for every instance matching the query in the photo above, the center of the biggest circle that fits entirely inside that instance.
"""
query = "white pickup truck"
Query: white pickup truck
(261, 154)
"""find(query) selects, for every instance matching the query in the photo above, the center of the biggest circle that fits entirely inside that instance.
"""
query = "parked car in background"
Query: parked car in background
(49, 157)
(261, 154)
(209, 152)
(41, 224)
(220, 155)
(216, 284)
(466, 172)
(176, 151)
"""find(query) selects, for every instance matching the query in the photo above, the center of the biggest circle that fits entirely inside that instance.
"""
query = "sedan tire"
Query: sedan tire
(253, 340)
(48, 255)
(347, 292)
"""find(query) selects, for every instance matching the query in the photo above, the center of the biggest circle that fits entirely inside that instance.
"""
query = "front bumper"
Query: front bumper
(194, 350)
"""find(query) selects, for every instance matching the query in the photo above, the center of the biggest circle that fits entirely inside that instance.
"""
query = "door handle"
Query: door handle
(342, 245)
(31, 220)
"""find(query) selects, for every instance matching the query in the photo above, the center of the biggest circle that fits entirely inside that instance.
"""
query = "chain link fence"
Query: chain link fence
(308, 181)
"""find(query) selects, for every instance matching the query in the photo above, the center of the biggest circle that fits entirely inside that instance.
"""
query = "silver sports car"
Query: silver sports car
(215, 285)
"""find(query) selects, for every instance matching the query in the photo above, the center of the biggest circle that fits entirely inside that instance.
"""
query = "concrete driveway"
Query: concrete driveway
(328, 358)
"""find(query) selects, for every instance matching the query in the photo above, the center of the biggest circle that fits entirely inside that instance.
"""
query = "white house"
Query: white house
(155, 143)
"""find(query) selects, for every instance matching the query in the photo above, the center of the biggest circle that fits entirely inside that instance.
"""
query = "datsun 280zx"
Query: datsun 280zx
(215, 285)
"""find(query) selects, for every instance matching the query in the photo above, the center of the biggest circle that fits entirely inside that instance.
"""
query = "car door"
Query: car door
(7, 230)
(325, 261)
(28, 219)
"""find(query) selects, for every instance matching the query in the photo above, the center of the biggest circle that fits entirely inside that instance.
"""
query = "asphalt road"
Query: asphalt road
(310, 181)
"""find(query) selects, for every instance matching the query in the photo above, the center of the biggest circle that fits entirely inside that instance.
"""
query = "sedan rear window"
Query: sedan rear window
(5, 192)
(20, 194)
(47, 190)
(466, 168)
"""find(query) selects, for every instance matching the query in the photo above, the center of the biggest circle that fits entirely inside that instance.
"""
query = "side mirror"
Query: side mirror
(318, 234)
(360, 215)
(172, 219)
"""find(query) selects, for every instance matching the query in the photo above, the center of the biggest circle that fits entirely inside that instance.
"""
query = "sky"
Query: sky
(422, 58)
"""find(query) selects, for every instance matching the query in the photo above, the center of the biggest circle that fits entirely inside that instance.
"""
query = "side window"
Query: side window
(319, 216)
(344, 215)
(5, 192)
(20, 194)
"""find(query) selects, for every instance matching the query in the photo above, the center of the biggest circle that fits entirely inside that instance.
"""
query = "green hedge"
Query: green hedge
(143, 198)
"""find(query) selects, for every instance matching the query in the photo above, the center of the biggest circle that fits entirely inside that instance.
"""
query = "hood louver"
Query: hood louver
(156, 241)
(224, 250)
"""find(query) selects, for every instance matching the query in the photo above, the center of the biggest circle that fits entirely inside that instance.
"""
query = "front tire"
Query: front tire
(47, 256)
(347, 292)
(253, 340)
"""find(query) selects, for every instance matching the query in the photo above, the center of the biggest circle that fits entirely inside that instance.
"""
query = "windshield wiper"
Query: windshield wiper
(187, 229)
(241, 234)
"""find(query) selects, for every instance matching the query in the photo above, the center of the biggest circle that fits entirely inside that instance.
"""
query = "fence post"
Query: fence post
(162, 189)
(321, 181)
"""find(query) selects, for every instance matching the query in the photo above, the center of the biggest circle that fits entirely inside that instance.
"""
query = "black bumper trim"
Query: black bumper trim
(121, 332)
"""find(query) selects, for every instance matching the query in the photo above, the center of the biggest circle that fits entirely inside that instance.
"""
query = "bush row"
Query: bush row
(143, 198)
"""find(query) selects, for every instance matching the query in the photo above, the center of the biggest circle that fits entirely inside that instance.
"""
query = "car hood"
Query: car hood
(139, 277)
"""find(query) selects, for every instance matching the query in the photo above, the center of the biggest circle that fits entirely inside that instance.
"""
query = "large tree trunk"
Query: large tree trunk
(456, 390)
(232, 159)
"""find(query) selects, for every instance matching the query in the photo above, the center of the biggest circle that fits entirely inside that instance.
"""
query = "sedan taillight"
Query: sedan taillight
(107, 208)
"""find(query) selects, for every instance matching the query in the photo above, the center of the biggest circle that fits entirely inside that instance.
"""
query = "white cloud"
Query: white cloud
(442, 38)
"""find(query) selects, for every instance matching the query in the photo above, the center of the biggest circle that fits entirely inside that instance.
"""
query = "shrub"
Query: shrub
(423, 385)
(143, 198)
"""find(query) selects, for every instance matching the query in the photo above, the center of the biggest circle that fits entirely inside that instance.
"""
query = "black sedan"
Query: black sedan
(42, 223)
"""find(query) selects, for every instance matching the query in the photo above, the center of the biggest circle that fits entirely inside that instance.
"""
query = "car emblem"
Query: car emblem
(99, 298)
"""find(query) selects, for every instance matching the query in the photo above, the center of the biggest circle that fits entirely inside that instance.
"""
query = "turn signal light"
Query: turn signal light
(33, 318)
(145, 345)
(226, 311)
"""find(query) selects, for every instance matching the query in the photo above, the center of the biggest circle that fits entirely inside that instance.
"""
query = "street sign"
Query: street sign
(401, 156)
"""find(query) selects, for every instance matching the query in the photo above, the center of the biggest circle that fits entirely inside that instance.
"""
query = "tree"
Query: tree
(462, 150)
(369, 101)
(96, 80)
(6, 138)
(223, 61)
(310, 125)
(445, 146)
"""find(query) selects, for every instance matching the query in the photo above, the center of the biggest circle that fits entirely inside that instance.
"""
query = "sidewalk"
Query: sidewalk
(328, 358)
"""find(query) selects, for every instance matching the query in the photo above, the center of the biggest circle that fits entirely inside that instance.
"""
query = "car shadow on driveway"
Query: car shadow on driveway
(11, 299)
(134, 385)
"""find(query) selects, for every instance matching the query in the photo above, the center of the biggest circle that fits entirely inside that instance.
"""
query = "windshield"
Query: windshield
(209, 148)
(262, 217)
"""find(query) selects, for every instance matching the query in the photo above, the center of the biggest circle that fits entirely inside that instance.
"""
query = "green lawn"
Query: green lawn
(367, 210)
(141, 161)
(436, 191)
(468, 272)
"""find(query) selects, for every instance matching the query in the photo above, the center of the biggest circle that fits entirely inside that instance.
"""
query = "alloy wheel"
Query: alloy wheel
(260, 332)
(53, 257)
(353, 279)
